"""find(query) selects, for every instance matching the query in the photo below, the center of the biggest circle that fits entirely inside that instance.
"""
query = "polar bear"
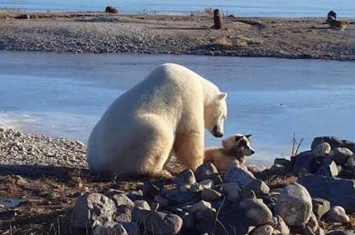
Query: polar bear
(164, 114)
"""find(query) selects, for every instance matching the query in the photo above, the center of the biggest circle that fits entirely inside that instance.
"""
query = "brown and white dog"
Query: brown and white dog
(236, 147)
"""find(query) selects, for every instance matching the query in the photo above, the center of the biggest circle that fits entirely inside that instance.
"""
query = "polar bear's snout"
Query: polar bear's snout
(217, 132)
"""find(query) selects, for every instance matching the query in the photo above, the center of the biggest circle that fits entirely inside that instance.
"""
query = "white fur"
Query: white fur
(165, 113)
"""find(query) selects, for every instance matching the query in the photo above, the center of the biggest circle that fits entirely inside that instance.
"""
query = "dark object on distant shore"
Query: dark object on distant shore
(217, 19)
(23, 17)
(333, 14)
(334, 23)
(111, 9)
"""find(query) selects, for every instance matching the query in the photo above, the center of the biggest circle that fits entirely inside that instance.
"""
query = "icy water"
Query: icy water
(65, 94)
(274, 8)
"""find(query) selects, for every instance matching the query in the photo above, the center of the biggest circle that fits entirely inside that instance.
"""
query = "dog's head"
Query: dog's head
(239, 143)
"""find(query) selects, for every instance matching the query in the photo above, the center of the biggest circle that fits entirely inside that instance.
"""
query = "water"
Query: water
(65, 94)
(275, 8)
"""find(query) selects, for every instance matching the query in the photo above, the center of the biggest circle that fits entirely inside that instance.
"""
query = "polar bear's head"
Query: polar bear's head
(215, 114)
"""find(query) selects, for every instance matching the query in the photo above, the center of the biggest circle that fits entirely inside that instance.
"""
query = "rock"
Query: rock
(210, 195)
(302, 161)
(23, 17)
(320, 206)
(121, 199)
(135, 195)
(131, 228)
(162, 201)
(294, 205)
(258, 186)
(206, 171)
(338, 232)
(342, 190)
(92, 208)
(337, 214)
(152, 188)
(157, 222)
(207, 183)
(312, 223)
(341, 155)
(256, 211)
(328, 168)
(321, 150)
(201, 210)
(142, 204)
(238, 175)
(348, 171)
(111, 9)
(283, 162)
(123, 214)
(334, 142)
(350, 162)
(279, 224)
(175, 196)
(187, 218)
(109, 228)
(263, 230)
(231, 191)
(231, 221)
(185, 177)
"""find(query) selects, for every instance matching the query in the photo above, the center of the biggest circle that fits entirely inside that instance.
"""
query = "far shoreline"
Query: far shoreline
(97, 32)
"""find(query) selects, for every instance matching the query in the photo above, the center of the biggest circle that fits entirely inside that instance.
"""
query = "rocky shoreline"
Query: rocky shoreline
(309, 193)
(306, 38)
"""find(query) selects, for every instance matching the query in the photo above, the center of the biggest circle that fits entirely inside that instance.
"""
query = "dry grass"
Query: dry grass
(238, 41)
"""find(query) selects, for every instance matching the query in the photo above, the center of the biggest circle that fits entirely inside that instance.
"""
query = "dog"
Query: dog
(334, 23)
(235, 147)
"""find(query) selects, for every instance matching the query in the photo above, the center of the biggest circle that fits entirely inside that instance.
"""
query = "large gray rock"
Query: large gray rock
(256, 211)
(328, 168)
(258, 186)
(231, 191)
(175, 196)
(109, 228)
(279, 224)
(342, 190)
(157, 222)
(121, 200)
(322, 149)
(206, 171)
(341, 155)
(231, 221)
(238, 175)
(210, 195)
(294, 205)
(337, 214)
(302, 162)
(185, 177)
(91, 209)
(334, 142)
(320, 206)
(123, 214)
(131, 228)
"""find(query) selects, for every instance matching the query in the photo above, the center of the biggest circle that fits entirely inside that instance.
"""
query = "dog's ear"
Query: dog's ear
(237, 138)
(248, 136)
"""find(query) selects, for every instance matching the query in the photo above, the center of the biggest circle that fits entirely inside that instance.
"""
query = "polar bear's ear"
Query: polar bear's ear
(222, 96)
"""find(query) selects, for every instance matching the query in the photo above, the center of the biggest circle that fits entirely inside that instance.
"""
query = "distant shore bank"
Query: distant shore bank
(88, 32)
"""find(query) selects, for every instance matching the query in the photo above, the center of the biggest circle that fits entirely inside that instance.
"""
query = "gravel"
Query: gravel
(18, 148)
(155, 34)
